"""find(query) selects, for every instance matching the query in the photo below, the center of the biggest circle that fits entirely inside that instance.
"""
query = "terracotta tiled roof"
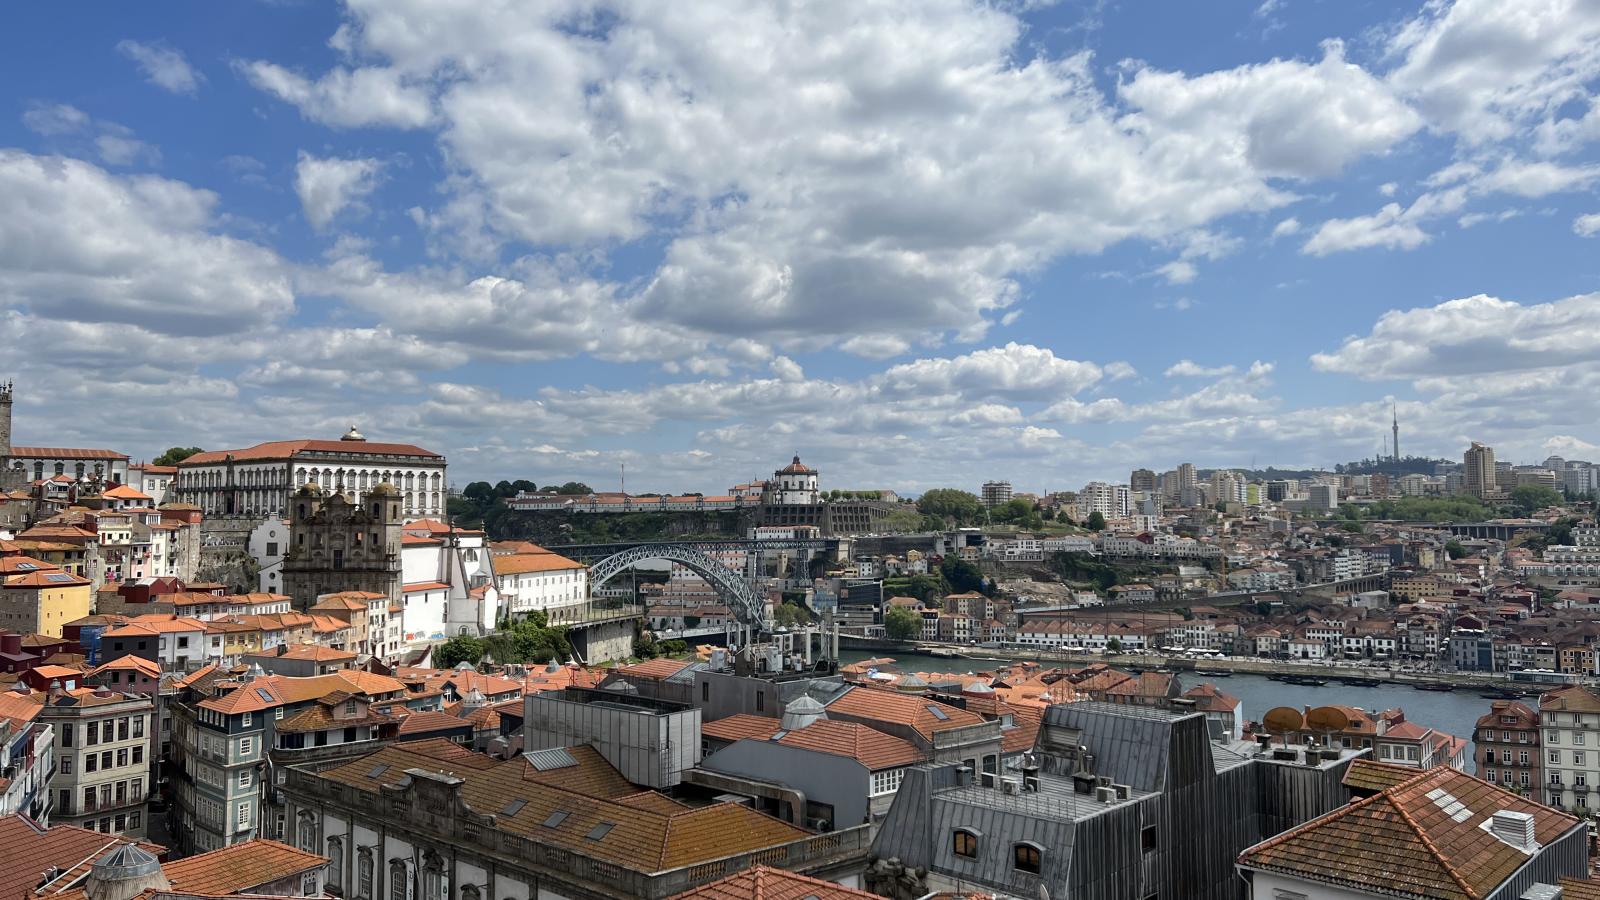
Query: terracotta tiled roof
(1574, 698)
(428, 720)
(592, 775)
(900, 709)
(524, 563)
(765, 883)
(1366, 775)
(52, 578)
(287, 449)
(643, 837)
(238, 868)
(30, 849)
(655, 668)
(866, 745)
(419, 586)
(138, 664)
(65, 453)
(1573, 889)
(1420, 838)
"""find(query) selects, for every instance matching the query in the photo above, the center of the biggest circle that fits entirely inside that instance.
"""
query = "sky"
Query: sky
(918, 242)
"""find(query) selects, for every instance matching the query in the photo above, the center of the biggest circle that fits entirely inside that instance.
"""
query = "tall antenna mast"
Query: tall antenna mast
(624, 481)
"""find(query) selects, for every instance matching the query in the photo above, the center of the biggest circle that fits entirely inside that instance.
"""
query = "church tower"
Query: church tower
(5, 422)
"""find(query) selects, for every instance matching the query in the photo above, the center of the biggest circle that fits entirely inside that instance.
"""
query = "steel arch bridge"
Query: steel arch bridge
(734, 589)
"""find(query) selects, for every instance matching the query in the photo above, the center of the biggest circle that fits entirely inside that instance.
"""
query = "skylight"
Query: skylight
(1452, 807)
(600, 831)
(377, 770)
(938, 713)
(556, 818)
(514, 807)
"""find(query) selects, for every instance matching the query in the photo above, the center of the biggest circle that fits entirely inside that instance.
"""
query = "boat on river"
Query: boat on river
(1434, 686)
(1214, 673)
(1304, 680)
(1360, 681)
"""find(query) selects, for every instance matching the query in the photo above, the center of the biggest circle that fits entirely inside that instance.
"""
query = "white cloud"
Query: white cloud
(346, 99)
(1015, 370)
(79, 243)
(1473, 336)
(1186, 368)
(113, 143)
(162, 66)
(1488, 70)
(1119, 370)
(1179, 271)
(882, 188)
(1286, 228)
(1388, 188)
(1536, 179)
(1393, 226)
(328, 186)
(1587, 225)
(55, 119)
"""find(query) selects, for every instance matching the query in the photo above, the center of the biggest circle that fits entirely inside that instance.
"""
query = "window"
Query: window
(91, 762)
(1550, 736)
(249, 719)
(91, 732)
(761, 701)
(965, 844)
(1522, 757)
(1488, 774)
(335, 862)
(243, 818)
(364, 875)
(1555, 777)
(133, 819)
(244, 778)
(1555, 798)
(1026, 858)
(122, 792)
(105, 759)
(1577, 738)
(1522, 778)
(705, 693)
(66, 764)
(1581, 779)
(88, 800)
(399, 881)
(1555, 757)
(66, 734)
(246, 746)
(136, 788)
(122, 728)
(886, 782)
(122, 757)
(138, 755)
(1488, 734)
(1577, 757)
(1147, 838)
(138, 726)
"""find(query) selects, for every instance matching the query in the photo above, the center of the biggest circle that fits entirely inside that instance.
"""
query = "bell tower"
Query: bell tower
(5, 423)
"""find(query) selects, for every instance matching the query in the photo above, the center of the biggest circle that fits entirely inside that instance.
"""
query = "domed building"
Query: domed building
(796, 483)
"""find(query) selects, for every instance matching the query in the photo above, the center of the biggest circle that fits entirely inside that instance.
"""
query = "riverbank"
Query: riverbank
(1355, 673)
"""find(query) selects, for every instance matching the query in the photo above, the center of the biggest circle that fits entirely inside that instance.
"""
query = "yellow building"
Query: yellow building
(41, 602)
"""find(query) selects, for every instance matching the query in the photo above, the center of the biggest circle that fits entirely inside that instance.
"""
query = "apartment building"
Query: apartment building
(1508, 747)
(105, 748)
(1569, 718)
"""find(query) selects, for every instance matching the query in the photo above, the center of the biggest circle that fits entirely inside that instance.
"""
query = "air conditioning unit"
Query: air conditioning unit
(1011, 785)
(1105, 795)
(819, 824)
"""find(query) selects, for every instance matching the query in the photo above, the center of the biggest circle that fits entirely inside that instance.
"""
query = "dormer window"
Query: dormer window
(964, 843)
(1027, 857)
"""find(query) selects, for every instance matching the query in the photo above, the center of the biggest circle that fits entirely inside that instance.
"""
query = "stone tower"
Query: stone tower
(5, 424)
(338, 543)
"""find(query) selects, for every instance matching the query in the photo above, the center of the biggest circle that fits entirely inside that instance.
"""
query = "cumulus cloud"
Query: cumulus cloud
(327, 187)
(114, 144)
(1587, 225)
(162, 66)
(344, 98)
(1185, 368)
(1477, 336)
(77, 242)
(1015, 370)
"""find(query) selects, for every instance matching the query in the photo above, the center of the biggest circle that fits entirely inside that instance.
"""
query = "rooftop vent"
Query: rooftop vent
(1515, 828)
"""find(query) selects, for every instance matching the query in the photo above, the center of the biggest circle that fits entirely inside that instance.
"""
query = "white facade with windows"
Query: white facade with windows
(1572, 752)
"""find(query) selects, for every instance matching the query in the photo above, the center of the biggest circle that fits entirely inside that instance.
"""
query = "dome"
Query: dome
(802, 711)
(910, 683)
(465, 666)
(796, 467)
(382, 488)
(312, 488)
(977, 687)
(353, 435)
(125, 872)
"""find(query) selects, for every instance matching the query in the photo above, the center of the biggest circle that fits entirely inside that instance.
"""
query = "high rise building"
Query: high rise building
(996, 493)
(1185, 475)
(1142, 480)
(1478, 471)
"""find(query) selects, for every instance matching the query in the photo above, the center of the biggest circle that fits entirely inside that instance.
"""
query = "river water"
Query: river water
(1453, 713)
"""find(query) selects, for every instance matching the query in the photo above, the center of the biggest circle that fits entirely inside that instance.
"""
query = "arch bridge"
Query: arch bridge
(736, 590)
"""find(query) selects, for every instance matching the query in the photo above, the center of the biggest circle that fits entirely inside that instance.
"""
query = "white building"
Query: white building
(796, 483)
(1112, 501)
(39, 463)
(256, 481)
(541, 581)
(1323, 497)
(266, 546)
(152, 480)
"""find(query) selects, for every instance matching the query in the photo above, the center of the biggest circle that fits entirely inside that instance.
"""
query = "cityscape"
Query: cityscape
(800, 450)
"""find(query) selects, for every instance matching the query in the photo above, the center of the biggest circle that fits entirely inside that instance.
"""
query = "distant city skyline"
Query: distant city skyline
(935, 243)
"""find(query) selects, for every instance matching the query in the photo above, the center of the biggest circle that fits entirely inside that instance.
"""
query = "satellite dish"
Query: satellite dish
(1282, 720)
(1326, 720)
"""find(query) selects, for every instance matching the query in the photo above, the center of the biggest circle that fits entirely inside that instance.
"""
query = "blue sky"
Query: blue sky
(920, 243)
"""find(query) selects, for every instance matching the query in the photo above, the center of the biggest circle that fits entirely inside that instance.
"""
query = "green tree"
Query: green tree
(1114, 644)
(459, 649)
(1530, 498)
(901, 624)
(480, 492)
(691, 621)
(961, 575)
(1095, 522)
(673, 647)
(504, 488)
(175, 455)
(950, 503)
(1455, 549)
(523, 485)
(574, 487)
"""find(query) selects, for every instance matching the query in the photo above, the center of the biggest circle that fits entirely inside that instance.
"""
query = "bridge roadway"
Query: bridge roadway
(601, 551)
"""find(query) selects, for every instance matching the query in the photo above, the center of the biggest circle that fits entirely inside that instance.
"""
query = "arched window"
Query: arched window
(364, 874)
(335, 862)
(399, 881)
(965, 843)
(308, 832)
(470, 892)
(435, 886)
(1026, 857)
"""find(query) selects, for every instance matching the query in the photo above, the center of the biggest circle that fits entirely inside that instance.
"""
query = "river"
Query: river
(1452, 713)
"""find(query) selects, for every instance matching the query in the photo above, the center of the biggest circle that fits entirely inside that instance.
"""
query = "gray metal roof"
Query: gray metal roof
(553, 758)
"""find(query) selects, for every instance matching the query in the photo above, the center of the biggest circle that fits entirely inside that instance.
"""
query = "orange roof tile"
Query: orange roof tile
(659, 668)
(30, 849)
(766, 883)
(288, 449)
(901, 709)
(1419, 838)
(237, 869)
(525, 563)
(866, 745)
